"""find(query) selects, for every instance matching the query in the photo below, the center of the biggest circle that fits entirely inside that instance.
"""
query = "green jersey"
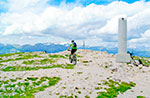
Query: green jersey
(73, 45)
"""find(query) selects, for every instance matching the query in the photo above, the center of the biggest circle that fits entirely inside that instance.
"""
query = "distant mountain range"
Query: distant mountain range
(50, 48)
(53, 48)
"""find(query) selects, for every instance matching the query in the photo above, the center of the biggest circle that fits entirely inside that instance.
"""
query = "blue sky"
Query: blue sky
(83, 2)
(3, 8)
(59, 21)
(87, 2)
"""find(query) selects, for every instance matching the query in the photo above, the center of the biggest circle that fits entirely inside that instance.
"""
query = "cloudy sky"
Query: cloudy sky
(58, 21)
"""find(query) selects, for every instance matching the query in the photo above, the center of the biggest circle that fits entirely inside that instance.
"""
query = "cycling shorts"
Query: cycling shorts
(73, 51)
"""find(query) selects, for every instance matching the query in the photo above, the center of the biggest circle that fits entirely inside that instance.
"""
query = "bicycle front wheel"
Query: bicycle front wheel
(74, 59)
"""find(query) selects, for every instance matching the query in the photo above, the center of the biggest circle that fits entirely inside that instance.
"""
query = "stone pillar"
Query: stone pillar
(122, 56)
(83, 44)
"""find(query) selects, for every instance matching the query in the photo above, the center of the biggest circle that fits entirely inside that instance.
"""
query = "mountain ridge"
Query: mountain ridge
(55, 47)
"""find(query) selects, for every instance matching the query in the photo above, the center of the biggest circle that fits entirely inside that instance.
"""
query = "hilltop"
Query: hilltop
(96, 75)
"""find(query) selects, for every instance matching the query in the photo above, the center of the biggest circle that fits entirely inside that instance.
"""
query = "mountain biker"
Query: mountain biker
(74, 48)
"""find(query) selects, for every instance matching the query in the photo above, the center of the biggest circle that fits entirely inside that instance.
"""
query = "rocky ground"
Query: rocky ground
(85, 79)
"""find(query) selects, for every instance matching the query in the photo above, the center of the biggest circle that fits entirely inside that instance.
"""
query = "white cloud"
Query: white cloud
(37, 18)
(142, 42)
(146, 34)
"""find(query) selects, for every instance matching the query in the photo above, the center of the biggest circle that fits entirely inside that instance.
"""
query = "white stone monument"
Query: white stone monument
(122, 56)
(83, 44)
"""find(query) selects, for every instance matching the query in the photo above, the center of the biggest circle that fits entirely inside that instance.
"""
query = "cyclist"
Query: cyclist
(74, 48)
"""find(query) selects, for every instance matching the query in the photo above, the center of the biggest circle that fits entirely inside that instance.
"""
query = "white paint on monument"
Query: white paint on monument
(122, 56)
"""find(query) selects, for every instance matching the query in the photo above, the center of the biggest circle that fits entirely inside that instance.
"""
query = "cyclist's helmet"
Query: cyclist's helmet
(72, 41)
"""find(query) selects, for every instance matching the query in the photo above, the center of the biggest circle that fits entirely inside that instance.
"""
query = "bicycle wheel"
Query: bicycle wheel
(74, 59)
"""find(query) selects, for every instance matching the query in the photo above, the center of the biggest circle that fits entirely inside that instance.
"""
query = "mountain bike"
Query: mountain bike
(74, 59)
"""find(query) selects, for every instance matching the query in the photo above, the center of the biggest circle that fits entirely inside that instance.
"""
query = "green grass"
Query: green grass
(23, 57)
(57, 56)
(98, 88)
(10, 54)
(69, 66)
(45, 61)
(106, 66)
(7, 60)
(65, 96)
(28, 62)
(28, 56)
(13, 80)
(1, 64)
(79, 72)
(85, 61)
(27, 68)
(78, 56)
(67, 55)
(25, 89)
(42, 62)
(114, 88)
(141, 97)
(79, 92)
(61, 56)
(32, 78)
(87, 96)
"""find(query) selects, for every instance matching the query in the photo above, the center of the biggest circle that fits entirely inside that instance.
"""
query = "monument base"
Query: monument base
(123, 58)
